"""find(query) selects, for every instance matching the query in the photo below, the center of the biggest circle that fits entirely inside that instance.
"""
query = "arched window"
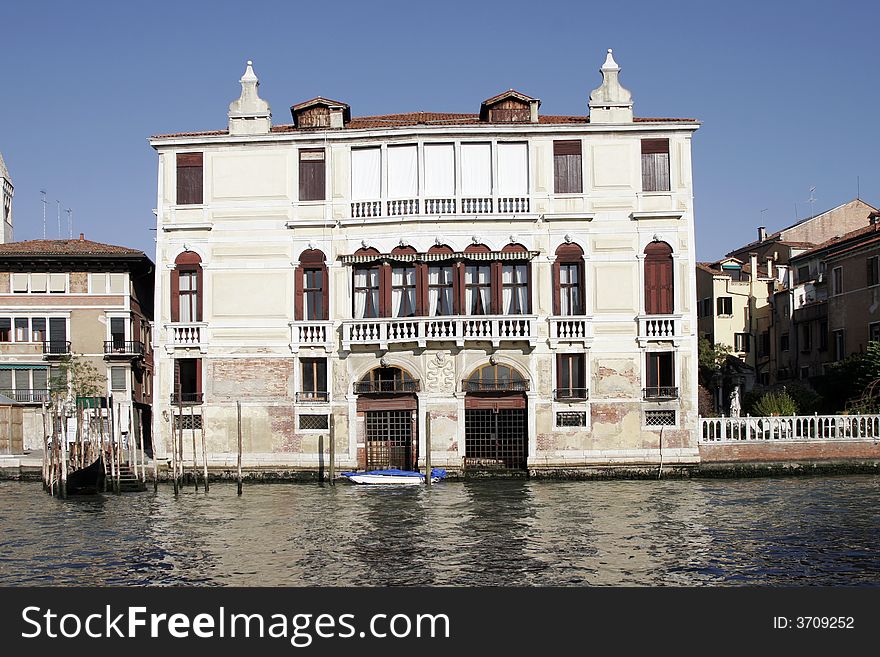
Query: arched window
(495, 378)
(311, 287)
(568, 281)
(659, 292)
(186, 288)
(386, 380)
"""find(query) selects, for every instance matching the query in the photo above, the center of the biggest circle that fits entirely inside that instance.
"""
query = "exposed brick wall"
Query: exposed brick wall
(79, 282)
(789, 451)
(251, 378)
(4, 282)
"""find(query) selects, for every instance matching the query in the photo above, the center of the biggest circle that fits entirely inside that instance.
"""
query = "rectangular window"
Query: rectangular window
(806, 338)
(874, 332)
(439, 170)
(313, 293)
(742, 342)
(837, 281)
(803, 273)
(655, 165)
(312, 174)
(514, 289)
(764, 344)
(187, 380)
(660, 375)
(403, 172)
(707, 307)
(567, 167)
(117, 283)
(570, 289)
(314, 379)
(660, 418)
(189, 178)
(403, 291)
(839, 344)
(571, 419)
(39, 283)
(440, 291)
(314, 422)
(188, 282)
(513, 169)
(476, 169)
(571, 377)
(365, 174)
(117, 378)
(873, 271)
(117, 332)
(38, 328)
(20, 283)
(58, 283)
(5, 329)
(805, 371)
(98, 283)
(477, 290)
(22, 332)
(725, 306)
(366, 293)
(823, 335)
(40, 382)
(783, 342)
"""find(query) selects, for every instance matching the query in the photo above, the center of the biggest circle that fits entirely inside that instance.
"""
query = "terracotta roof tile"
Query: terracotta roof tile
(870, 229)
(73, 247)
(408, 119)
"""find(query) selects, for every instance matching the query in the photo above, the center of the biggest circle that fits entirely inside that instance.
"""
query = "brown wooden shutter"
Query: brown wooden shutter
(567, 167)
(312, 176)
(189, 178)
(496, 281)
(325, 292)
(528, 308)
(175, 295)
(298, 274)
(422, 289)
(659, 297)
(582, 286)
(198, 376)
(655, 146)
(557, 304)
(200, 293)
(385, 290)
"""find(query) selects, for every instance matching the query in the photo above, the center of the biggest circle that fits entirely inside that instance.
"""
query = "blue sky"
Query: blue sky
(787, 92)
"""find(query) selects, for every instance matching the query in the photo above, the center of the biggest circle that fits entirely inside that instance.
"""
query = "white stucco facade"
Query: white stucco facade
(251, 228)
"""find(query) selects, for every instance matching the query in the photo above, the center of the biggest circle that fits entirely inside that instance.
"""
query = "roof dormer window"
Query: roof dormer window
(321, 113)
(510, 107)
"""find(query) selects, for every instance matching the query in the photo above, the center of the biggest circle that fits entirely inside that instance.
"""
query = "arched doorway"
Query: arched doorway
(496, 430)
(387, 399)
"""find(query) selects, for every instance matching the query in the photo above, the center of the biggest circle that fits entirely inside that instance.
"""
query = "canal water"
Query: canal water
(791, 531)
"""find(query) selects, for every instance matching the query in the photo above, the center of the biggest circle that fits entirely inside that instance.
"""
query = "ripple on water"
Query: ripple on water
(816, 531)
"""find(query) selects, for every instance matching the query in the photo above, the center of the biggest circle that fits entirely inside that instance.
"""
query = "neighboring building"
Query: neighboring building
(63, 298)
(6, 192)
(836, 299)
(519, 285)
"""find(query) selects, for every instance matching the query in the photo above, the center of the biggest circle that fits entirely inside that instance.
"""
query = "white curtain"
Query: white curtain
(440, 290)
(403, 172)
(477, 299)
(569, 301)
(476, 169)
(439, 170)
(403, 291)
(368, 282)
(514, 299)
(513, 169)
(365, 174)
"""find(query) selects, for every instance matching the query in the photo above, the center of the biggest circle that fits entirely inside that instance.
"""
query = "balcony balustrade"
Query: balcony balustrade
(659, 327)
(27, 395)
(421, 330)
(311, 333)
(494, 385)
(186, 398)
(187, 334)
(469, 205)
(570, 329)
(123, 349)
(56, 348)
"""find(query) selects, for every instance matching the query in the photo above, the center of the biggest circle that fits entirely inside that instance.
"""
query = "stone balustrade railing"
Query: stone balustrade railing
(311, 333)
(187, 334)
(421, 330)
(796, 427)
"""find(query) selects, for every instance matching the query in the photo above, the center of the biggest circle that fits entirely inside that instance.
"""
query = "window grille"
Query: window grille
(659, 418)
(313, 422)
(190, 422)
(571, 419)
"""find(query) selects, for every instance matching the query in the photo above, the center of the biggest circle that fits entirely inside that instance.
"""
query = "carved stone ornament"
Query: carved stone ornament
(440, 375)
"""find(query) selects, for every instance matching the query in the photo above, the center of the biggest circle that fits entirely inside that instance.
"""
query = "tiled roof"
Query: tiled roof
(72, 247)
(853, 235)
(409, 119)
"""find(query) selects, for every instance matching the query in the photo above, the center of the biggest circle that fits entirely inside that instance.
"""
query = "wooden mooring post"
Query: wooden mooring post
(331, 474)
(427, 448)
(204, 457)
(192, 429)
(238, 407)
(45, 451)
(63, 454)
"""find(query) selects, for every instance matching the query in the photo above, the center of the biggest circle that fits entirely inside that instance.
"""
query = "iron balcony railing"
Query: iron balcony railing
(660, 392)
(56, 348)
(26, 395)
(571, 394)
(313, 396)
(390, 386)
(186, 398)
(494, 385)
(123, 348)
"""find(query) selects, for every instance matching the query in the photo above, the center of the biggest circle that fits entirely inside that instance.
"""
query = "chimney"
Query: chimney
(769, 267)
(249, 114)
(610, 103)
(753, 265)
(762, 233)
(82, 237)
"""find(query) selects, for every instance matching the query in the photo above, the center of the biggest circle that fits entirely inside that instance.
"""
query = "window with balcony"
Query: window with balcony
(312, 174)
(38, 329)
(477, 289)
(366, 174)
(311, 293)
(567, 167)
(568, 276)
(659, 293)
(313, 381)
(189, 178)
(873, 271)
(26, 385)
(660, 375)
(403, 291)
(476, 172)
(571, 382)
(366, 292)
(515, 289)
(117, 332)
(440, 291)
(186, 288)
(439, 178)
(513, 169)
(187, 381)
(655, 165)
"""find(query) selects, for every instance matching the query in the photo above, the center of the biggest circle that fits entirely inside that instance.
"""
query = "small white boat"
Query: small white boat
(397, 477)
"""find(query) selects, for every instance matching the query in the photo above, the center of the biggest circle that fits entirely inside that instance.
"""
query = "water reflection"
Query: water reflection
(822, 530)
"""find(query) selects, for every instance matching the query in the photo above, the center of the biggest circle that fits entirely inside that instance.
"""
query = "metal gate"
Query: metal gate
(389, 440)
(496, 437)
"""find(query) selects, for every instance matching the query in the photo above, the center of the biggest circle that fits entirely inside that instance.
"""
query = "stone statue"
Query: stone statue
(735, 406)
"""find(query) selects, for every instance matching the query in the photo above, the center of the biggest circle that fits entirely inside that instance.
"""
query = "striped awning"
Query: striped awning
(438, 257)
(15, 366)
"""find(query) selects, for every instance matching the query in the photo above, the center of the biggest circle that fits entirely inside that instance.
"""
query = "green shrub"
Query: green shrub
(775, 403)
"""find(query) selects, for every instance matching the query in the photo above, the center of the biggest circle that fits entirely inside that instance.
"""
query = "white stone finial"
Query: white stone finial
(610, 102)
(249, 114)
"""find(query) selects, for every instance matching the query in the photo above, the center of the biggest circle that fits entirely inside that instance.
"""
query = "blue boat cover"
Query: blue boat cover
(440, 473)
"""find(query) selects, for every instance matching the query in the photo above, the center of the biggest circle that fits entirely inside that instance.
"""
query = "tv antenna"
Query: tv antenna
(69, 223)
(45, 203)
(812, 200)
(59, 217)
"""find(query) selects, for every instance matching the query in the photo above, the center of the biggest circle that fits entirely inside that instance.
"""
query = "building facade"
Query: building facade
(518, 286)
(76, 299)
(6, 193)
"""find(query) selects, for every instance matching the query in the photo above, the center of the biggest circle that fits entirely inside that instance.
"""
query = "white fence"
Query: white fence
(715, 430)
